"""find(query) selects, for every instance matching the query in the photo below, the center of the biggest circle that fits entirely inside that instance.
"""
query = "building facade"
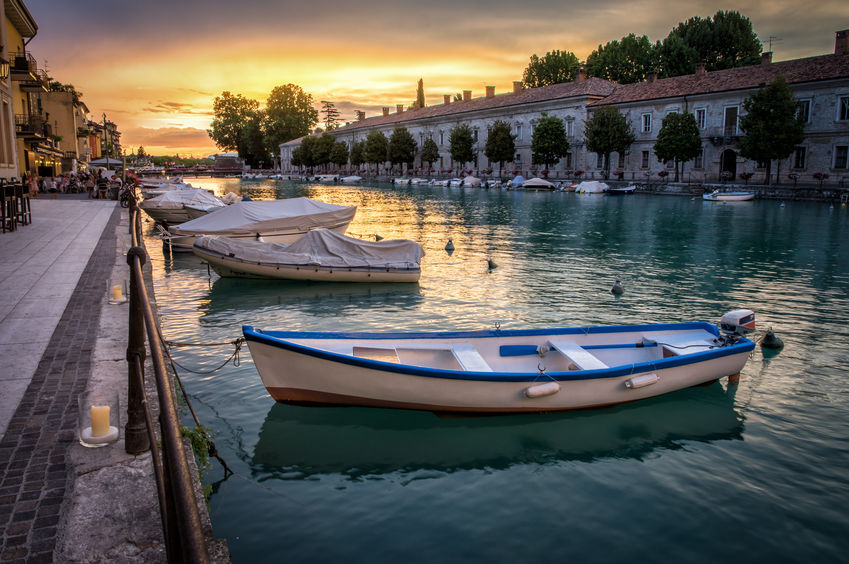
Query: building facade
(820, 85)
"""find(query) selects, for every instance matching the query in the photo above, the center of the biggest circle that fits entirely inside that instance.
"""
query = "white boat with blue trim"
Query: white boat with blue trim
(499, 371)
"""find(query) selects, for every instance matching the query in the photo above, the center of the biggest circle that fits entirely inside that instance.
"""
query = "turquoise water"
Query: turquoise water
(748, 473)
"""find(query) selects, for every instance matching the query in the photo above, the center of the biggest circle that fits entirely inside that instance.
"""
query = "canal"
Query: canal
(748, 473)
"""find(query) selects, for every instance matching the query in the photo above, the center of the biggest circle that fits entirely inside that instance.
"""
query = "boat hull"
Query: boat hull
(729, 196)
(230, 267)
(427, 377)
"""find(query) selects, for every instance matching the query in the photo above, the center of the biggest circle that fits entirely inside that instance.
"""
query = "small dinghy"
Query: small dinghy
(320, 255)
(501, 370)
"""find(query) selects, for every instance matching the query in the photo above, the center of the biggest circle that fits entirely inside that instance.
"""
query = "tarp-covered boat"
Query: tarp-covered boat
(171, 206)
(500, 370)
(538, 184)
(277, 221)
(717, 196)
(320, 255)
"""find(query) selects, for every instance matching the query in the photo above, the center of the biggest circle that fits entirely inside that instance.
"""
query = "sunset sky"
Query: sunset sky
(155, 67)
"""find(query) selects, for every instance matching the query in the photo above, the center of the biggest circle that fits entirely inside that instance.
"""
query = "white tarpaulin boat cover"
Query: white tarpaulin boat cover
(320, 247)
(591, 187)
(267, 216)
(538, 182)
(175, 200)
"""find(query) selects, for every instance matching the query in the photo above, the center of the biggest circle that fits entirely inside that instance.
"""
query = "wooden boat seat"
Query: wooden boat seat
(579, 356)
(469, 358)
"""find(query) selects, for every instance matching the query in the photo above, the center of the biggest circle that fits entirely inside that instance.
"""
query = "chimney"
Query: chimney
(446, 98)
(841, 42)
(766, 57)
(467, 95)
(386, 111)
(651, 76)
(399, 108)
(700, 68)
(490, 91)
(581, 75)
(518, 86)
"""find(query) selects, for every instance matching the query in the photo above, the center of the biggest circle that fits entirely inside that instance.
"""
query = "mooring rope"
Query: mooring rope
(166, 347)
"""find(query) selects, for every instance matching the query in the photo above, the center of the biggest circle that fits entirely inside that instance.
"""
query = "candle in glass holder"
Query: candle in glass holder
(116, 292)
(99, 420)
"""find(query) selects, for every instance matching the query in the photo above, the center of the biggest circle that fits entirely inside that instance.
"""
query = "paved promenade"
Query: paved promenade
(59, 338)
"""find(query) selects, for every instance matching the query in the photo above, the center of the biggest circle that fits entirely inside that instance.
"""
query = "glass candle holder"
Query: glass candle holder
(117, 291)
(99, 420)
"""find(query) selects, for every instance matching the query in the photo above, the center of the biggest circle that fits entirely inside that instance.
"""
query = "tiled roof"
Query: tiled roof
(591, 87)
(810, 69)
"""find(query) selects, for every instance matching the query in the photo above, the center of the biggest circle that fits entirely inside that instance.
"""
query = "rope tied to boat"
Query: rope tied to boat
(236, 343)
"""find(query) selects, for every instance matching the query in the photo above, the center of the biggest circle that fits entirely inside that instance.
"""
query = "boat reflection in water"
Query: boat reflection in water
(229, 296)
(296, 442)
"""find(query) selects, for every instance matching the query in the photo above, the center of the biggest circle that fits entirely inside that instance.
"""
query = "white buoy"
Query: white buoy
(617, 287)
(449, 246)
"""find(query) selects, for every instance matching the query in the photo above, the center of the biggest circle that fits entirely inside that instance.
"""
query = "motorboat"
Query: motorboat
(538, 184)
(400, 181)
(171, 206)
(352, 178)
(277, 221)
(516, 183)
(326, 178)
(591, 187)
(622, 190)
(472, 181)
(717, 196)
(320, 255)
(499, 370)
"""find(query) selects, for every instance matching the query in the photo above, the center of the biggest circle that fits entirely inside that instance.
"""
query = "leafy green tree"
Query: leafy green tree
(772, 126)
(420, 97)
(322, 148)
(339, 154)
(140, 153)
(626, 61)
(402, 146)
(289, 114)
(430, 152)
(254, 150)
(555, 67)
(376, 148)
(548, 142)
(297, 157)
(607, 131)
(228, 124)
(461, 143)
(725, 41)
(309, 151)
(332, 117)
(500, 144)
(357, 155)
(678, 140)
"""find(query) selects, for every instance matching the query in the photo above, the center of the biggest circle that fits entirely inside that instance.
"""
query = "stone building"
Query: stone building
(820, 84)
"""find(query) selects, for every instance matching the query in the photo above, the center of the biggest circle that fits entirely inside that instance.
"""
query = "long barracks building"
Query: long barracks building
(820, 84)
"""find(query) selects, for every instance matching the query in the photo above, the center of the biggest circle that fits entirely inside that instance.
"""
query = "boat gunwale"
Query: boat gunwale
(278, 339)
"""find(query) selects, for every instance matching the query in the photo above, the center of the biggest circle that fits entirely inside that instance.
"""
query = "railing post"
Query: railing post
(135, 433)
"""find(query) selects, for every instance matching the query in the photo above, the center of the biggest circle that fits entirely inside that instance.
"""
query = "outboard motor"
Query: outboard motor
(737, 323)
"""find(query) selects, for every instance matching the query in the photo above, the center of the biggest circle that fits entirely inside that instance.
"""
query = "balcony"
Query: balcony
(23, 66)
(723, 135)
(31, 127)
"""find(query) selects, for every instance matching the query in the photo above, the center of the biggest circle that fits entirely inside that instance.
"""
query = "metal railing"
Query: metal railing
(178, 508)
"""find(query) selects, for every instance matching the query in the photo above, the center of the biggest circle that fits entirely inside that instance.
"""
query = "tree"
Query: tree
(402, 146)
(430, 152)
(332, 117)
(339, 153)
(678, 140)
(500, 144)
(357, 155)
(289, 114)
(420, 97)
(723, 42)
(626, 61)
(548, 142)
(607, 131)
(773, 128)
(377, 148)
(461, 144)
(322, 148)
(140, 153)
(228, 124)
(555, 67)
(298, 156)
(253, 149)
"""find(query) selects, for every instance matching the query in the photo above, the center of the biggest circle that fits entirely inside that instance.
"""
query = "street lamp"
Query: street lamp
(4, 69)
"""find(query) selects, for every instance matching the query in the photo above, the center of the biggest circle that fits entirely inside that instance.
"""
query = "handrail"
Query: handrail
(181, 522)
